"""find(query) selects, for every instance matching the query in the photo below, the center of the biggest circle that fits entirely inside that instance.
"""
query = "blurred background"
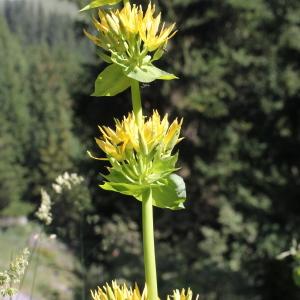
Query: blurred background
(239, 93)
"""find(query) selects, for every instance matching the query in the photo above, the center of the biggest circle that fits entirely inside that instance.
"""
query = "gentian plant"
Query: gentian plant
(139, 149)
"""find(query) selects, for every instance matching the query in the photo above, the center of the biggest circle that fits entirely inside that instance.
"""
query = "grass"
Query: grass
(55, 265)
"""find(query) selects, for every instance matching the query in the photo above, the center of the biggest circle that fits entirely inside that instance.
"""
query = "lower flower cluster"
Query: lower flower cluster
(122, 292)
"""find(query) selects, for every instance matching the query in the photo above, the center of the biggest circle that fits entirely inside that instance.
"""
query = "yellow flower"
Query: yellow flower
(122, 292)
(140, 154)
(182, 295)
(130, 34)
(118, 292)
(149, 30)
(154, 134)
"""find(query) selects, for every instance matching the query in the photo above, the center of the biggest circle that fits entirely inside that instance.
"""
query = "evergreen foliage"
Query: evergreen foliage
(53, 145)
(240, 63)
(239, 95)
(14, 118)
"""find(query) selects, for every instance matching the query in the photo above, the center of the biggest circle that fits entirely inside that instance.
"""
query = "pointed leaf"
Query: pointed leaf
(170, 195)
(99, 3)
(111, 81)
(123, 188)
(149, 73)
(104, 56)
(158, 54)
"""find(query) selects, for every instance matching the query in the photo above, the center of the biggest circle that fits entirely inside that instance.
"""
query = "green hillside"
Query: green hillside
(52, 6)
(52, 266)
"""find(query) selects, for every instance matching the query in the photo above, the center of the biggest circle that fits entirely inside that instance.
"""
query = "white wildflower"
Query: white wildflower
(57, 188)
(44, 211)
(66, 181)
(52, 236)
(14, 274)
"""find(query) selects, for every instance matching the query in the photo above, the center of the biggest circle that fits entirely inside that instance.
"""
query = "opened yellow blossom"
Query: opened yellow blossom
(182, 295)
(130, 34)
(122, 292)
(154, 134)
(141, 159)
(118, 292)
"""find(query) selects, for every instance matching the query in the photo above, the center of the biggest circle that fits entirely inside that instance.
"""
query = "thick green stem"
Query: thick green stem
(147, 209)
(136, 101)
(149, 248)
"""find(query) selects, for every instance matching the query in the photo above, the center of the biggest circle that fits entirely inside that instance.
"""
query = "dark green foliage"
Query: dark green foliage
(239, 87)
(14, 118)
(38, 142)
(238, 63)
(53, 146)
(71, 226)
(44, 26)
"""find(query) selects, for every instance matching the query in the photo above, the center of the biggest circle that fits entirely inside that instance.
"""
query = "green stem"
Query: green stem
(147, 209)
(32, 252)
(149, 248)
(136, 101)
(37, 259)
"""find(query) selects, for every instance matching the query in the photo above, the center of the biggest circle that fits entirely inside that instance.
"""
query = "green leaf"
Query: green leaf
(296, 275)
(124, 188)
(171, 195)
(104, 56)
(167, 193)
(99, 3)
(158, 54)
(149, 73)
(163, 167)
(118, 182)
(111, 81)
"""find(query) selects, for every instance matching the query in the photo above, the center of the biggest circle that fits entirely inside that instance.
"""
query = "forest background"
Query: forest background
(239, 68)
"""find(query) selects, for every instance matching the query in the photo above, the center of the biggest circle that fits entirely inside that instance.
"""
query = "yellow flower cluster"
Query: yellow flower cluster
(130, 34)
(118, 292)
(121, 292)
(153, 134)
(182, 295)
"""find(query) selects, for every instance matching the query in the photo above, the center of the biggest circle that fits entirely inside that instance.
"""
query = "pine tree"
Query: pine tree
(53, 145)
(14, 118)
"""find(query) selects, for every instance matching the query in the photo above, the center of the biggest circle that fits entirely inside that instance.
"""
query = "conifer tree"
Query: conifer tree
(53, 145)
(14, 118)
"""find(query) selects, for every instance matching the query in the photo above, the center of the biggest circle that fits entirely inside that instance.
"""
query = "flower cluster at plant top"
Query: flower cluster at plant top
(129, 34)
(14, 274)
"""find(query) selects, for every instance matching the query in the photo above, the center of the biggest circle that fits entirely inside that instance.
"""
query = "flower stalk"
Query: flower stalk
(147, 209)
(136, 101)
(139, 148)
(149, 247)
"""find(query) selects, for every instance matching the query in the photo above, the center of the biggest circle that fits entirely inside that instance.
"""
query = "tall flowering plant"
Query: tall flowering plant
(139, 149)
